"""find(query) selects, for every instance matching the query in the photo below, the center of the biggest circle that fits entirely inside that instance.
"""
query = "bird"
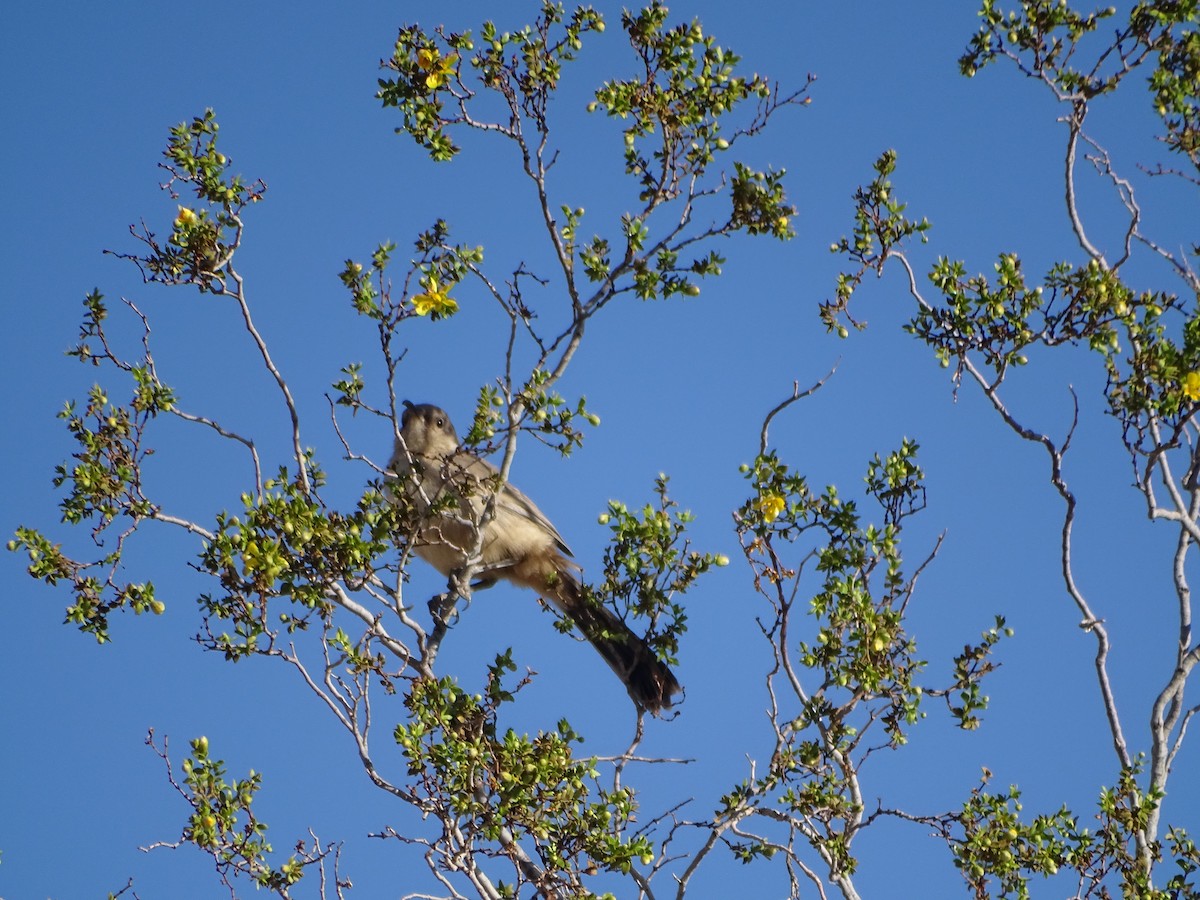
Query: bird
(450, 487)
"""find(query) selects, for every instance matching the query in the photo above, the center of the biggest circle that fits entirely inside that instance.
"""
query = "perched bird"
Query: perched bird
(450, 488)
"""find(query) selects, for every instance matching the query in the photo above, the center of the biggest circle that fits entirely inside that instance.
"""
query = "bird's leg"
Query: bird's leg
(443, 608)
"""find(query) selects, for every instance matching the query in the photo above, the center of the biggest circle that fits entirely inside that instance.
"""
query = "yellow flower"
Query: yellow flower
(1191, 385)
(435, 300)
(771, 505)
(186, 218)
(437, 70)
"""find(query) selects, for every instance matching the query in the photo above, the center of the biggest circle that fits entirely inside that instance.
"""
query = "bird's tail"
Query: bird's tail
(647, 678)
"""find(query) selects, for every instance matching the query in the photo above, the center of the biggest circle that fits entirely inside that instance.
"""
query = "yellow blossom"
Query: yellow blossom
(771, 505)
(1191, 385)
(186, 218)
(436, 299)
(436, 68)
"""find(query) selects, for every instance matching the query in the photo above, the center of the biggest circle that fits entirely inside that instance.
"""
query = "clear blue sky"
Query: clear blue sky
(90, 91)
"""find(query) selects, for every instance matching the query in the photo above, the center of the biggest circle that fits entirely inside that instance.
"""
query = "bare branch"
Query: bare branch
(797, 394)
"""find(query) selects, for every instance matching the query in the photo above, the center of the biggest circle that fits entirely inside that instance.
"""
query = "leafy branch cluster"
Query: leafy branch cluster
(648, 565)
(1148, 341)
(497, 792)
(202, 241)
(1049, 40)
(223, 825)
(993, 845)
(287, 546)
(854, 672)
(688, 86)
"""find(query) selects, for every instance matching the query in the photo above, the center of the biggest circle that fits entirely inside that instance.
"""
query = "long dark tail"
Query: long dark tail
(649, 681)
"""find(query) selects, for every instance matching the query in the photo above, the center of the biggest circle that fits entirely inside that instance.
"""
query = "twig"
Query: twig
(797, 394)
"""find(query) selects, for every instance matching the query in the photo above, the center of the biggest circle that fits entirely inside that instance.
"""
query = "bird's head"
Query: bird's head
(427, 431)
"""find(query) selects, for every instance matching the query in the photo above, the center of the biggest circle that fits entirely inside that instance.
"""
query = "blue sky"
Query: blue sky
(681, 386)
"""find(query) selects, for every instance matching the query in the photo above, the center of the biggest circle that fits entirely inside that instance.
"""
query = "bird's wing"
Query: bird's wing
(513, 500)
